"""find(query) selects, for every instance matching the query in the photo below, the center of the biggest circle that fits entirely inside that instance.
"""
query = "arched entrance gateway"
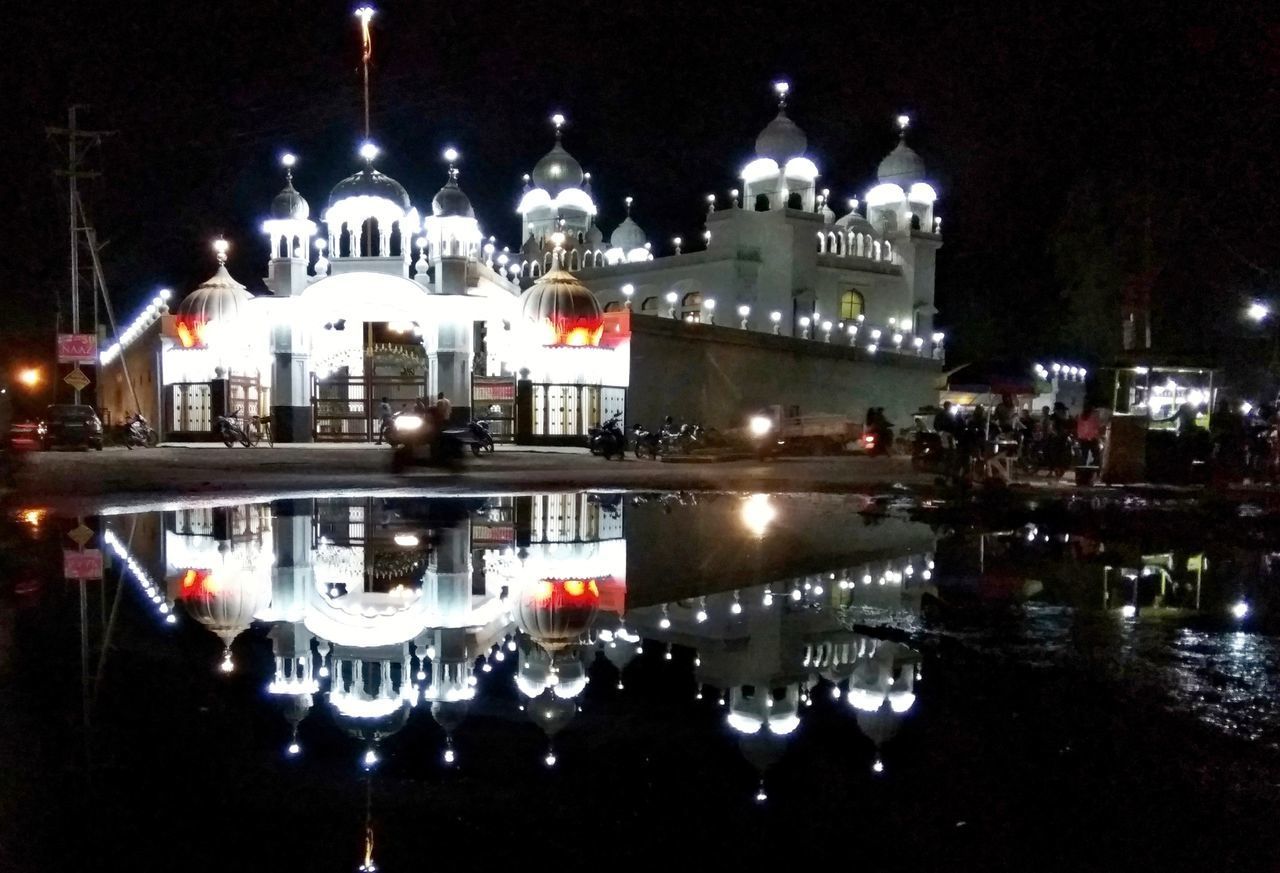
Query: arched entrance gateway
(375, 336)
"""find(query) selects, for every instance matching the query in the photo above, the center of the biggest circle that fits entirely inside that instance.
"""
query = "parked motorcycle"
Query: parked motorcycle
(232, 430)
(137, 432)
(647, 444)
(416, 438)
(607, 438)
(482, 438)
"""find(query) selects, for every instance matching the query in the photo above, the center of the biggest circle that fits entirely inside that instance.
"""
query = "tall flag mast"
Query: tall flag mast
(364, 13)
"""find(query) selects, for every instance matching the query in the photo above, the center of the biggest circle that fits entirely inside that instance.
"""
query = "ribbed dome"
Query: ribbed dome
(220, 297)
(856, 222)
(594, 236)
(552, 713)
(901, 166)
(289, 204)
(224, 601)
(449, 715)
(563, 310)
(627, 236)
(370, 183)
(450, 201)
(781, 139)
(557, 170)
(557, 613)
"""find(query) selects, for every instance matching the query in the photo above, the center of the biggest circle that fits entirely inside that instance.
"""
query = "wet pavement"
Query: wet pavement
(638, 677)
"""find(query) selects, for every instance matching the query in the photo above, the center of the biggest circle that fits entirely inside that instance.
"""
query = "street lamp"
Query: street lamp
(776, 318)
(710, 305)
(627, 291)
(1258, 311)
(671, 301)
(29, 377)
(744, 312)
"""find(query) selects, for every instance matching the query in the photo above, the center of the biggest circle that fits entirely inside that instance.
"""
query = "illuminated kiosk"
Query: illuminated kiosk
(1144, 441)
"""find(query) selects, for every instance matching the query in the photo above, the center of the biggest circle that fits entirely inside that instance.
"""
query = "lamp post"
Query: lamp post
(804, 327)
(776, 318)
(744, 312)
(710, 305)
(677, 242)
(826, 331)
(853, 334)
(628, 291)
(671, 303)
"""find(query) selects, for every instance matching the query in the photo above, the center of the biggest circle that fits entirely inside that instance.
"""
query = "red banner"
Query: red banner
(85, 564)
(74, 348)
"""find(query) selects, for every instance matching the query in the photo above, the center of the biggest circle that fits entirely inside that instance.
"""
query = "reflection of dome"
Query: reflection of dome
(289, 204)
(370, 183)
(224, 601)
(879, 726)
(901, 166)
(551, 713)
(557, 170)
(557, 613)
(296, 708)
(451, 201)
(449, 715)
(372, 730)
(781, 139)
(627, 236)
(563, 310)
(220, 297)
(762, 750)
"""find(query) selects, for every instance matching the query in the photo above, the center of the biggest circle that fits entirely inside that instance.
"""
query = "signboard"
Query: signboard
(488, 534)
(81, 534)
(487, 389)
(77, 379)
(82, 565)
(75, 348)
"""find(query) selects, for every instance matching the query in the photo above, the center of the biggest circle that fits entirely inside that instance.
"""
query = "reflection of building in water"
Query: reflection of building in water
(378, 605)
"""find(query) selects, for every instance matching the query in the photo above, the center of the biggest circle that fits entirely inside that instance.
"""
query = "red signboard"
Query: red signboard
(85, 564)
(491, 388)
(74, 348)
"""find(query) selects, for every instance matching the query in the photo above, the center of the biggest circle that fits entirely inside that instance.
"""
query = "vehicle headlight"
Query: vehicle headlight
(760, 425)
(409, 422)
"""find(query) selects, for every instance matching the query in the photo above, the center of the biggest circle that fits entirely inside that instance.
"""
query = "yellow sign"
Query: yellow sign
(81, 535)
(77, 379)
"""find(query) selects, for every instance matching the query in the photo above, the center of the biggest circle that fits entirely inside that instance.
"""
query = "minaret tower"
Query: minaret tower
(290, 230)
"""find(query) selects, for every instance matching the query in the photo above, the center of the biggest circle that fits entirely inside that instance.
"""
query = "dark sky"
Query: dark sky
(1014, 104)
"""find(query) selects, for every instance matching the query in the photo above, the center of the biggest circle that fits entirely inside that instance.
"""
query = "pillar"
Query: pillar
(291, 412)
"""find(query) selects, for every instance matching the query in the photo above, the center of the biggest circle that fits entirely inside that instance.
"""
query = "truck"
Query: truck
(775, 431)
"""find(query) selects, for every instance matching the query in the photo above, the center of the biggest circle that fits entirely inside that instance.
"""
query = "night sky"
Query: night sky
(1167, 118)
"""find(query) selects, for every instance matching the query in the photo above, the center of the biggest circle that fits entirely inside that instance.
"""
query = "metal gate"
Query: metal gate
(345, 408)
(568, 410)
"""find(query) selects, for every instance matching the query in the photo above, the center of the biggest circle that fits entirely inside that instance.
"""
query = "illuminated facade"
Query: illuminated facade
(383, 300)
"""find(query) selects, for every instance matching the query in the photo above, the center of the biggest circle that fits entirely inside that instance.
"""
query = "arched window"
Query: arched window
(795, 200)
(762, 203)
(573, 261)
(822, 243)
(650, 305)
(613, 306)
(691, 306)
(851, 306)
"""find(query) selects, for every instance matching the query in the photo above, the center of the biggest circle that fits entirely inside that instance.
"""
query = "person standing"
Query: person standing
(1089, 435)
(443, 409)
(384, 420)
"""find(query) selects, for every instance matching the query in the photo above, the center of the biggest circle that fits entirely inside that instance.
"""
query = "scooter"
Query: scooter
(138, 433)
(482, 439)
(232, 430)
(608, 439)
(878, 440)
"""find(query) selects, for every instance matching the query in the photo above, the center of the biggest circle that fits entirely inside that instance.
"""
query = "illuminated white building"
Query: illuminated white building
(381, 299)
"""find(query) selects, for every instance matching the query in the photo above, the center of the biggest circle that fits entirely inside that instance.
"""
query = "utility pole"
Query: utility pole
(79, 142)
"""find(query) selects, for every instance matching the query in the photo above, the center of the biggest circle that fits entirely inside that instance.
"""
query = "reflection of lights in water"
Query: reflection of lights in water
(701, 616)
(878, 766)
(294, 748)
(665, 623)
(32, 517)
(768, 598)
(761, 796)
(370, 758)
(406, 540)
(817, 591)
(511, 645)
(227, 665)
(866, 580)
(1240, 609)
(449, 756)
(1128, 610)
(758, 513)
(795, 593)
(835, 692)
(550, 760)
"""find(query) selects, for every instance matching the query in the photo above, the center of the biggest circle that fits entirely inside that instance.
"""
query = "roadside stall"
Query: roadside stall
(1159, 430)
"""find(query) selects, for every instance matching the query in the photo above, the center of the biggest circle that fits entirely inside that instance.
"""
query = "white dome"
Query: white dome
(901, 166)
(557, 170)
(627, 236)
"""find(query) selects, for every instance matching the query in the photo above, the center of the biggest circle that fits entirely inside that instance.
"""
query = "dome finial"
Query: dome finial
(904, 121)
(368, 151)
(627, 200)
(558, 121)
(220, 247)
(781, 88)
(287, 160)
(451, 158)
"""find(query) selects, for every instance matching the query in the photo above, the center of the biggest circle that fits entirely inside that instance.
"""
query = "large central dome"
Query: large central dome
(370, 183)
(557, 170)
(562, 310)
(781, 139)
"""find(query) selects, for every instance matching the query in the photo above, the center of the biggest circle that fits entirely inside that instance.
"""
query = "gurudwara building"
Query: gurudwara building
(781, 301)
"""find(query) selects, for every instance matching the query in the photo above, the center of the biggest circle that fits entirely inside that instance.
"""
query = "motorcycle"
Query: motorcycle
(878, 440)
(648, 444)
(482, 439)
(416, 438)
(138, 433)
(232, 430)
(607, 438)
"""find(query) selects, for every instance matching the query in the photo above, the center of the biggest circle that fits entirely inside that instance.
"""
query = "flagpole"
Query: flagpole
(364, 13)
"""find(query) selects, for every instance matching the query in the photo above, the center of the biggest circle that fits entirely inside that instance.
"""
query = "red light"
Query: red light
(574, 333)
(197, 582)
(542, 591)
(190, 333)
(574, 587)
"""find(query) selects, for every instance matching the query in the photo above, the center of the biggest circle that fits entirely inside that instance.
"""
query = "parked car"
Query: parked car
(66, 424)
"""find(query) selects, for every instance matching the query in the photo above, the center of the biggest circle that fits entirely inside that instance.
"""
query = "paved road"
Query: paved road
(121, 477)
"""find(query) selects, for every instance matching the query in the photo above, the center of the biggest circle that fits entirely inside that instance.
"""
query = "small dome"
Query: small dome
(901, 166)
(449, 715)
(781, 139)
(219, 298)
(370, 183)
(552, 713)
(289, 204)
(565, 313)
(627, 236)
(450, 201)
(595, 237)
(557, 170)
(856, 222)
(558, 612)
(224, 601)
